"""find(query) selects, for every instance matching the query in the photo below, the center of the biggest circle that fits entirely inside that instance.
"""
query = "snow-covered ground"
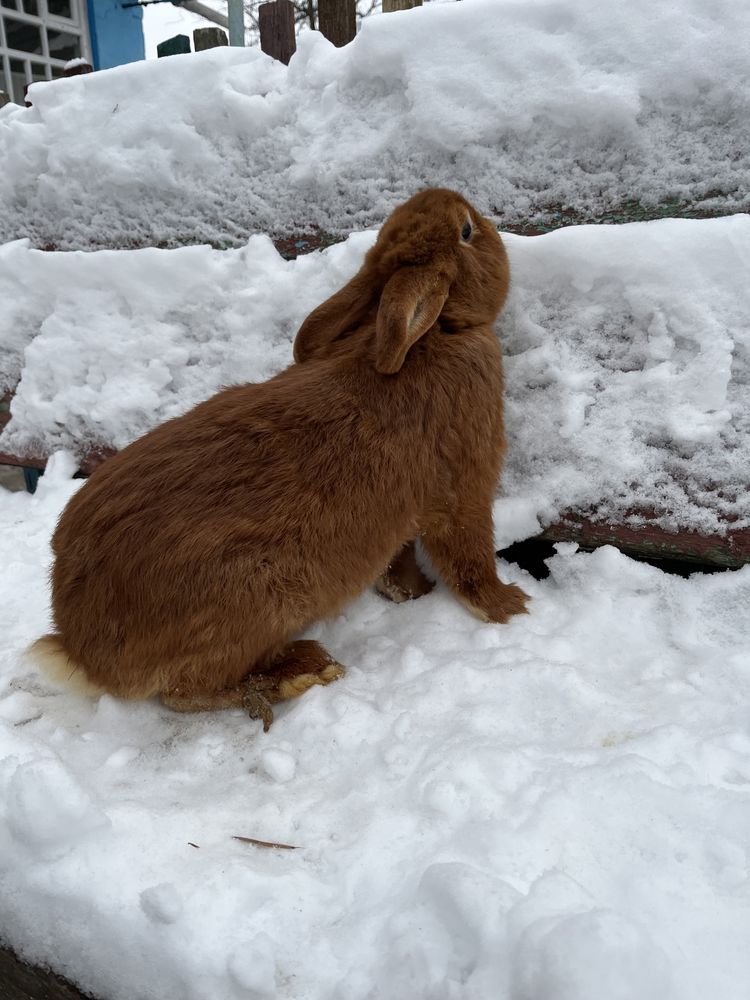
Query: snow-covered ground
(627, 357)
(556, 809)
(527, 105)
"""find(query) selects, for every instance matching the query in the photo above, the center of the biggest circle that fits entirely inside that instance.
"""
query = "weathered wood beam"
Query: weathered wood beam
(647, 541)
(174, 46)
(276, 23)
(337, 20)
(391, 5)
(209, 38)
(652, 542)
(21, 981)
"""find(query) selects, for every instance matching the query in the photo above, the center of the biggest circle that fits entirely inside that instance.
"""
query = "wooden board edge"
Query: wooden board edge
(653, 542)
(20, 980)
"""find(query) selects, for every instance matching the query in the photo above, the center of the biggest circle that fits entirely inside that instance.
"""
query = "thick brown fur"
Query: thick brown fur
(196, 555)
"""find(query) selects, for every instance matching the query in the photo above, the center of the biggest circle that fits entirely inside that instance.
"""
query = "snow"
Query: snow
(627, 357)
(553, 808)
(534, 106)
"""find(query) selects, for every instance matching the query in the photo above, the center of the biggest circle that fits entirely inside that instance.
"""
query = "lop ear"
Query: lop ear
(335, 317)
(411, 302)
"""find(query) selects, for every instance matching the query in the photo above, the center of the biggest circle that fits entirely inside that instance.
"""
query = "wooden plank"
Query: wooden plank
(175, 46)
(22, 463)
(92, 460)
(646, 540)
(5, 409)
(337, 20)
(21, 981)
(209, 38)
(276, 24)
(653, 542)
(391, 5)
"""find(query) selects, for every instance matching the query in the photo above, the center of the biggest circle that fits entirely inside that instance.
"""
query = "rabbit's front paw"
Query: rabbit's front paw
(503, 602)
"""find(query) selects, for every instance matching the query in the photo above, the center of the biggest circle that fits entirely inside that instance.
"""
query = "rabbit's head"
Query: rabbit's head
(436, 258)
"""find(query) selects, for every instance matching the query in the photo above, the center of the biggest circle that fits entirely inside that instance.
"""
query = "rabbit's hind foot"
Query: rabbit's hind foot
(300, 666)
(403, 579)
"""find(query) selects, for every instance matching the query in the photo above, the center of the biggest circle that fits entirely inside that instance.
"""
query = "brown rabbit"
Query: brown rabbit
(188, 563)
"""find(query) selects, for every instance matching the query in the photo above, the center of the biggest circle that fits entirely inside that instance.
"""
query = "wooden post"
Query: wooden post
(174, 46)
(391, 5)
(76, 67)
(337, 20)
(276, 22)
(208, 38)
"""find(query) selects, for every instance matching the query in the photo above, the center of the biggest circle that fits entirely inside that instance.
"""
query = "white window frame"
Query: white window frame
(77, 25)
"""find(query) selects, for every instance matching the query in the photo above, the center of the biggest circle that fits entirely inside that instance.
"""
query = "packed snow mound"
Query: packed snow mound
(628, 373)
(527, 107)
(627, 357)
(554, 809)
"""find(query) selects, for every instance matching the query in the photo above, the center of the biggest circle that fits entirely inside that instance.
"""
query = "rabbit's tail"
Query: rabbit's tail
(49, 656)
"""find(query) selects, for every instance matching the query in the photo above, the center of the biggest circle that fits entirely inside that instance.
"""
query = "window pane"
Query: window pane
(63, 45)
(31, 7)
(17, 80)
(60, 8)
(4, 80)
(22, 36)
(57, 72)
(38, 72)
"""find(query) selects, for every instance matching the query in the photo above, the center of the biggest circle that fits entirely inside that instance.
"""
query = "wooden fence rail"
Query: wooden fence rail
(645, 541)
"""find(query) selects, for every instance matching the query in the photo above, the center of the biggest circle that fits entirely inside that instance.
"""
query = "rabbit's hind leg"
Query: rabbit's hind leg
(202, 701)
(298, 667)
(403, 579)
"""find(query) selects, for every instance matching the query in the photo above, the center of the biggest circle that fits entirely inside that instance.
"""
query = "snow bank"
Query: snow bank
(628, 371)
(109, 344)
(556, 808)
(527, 106)
(627, 357)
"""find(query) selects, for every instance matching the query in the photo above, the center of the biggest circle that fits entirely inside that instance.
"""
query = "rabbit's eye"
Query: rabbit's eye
(466, 232)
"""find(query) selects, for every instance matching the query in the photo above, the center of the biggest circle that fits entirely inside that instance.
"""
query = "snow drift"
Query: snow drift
(532, 105)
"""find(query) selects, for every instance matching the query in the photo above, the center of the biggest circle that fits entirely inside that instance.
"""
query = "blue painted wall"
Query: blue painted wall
(116, 33)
